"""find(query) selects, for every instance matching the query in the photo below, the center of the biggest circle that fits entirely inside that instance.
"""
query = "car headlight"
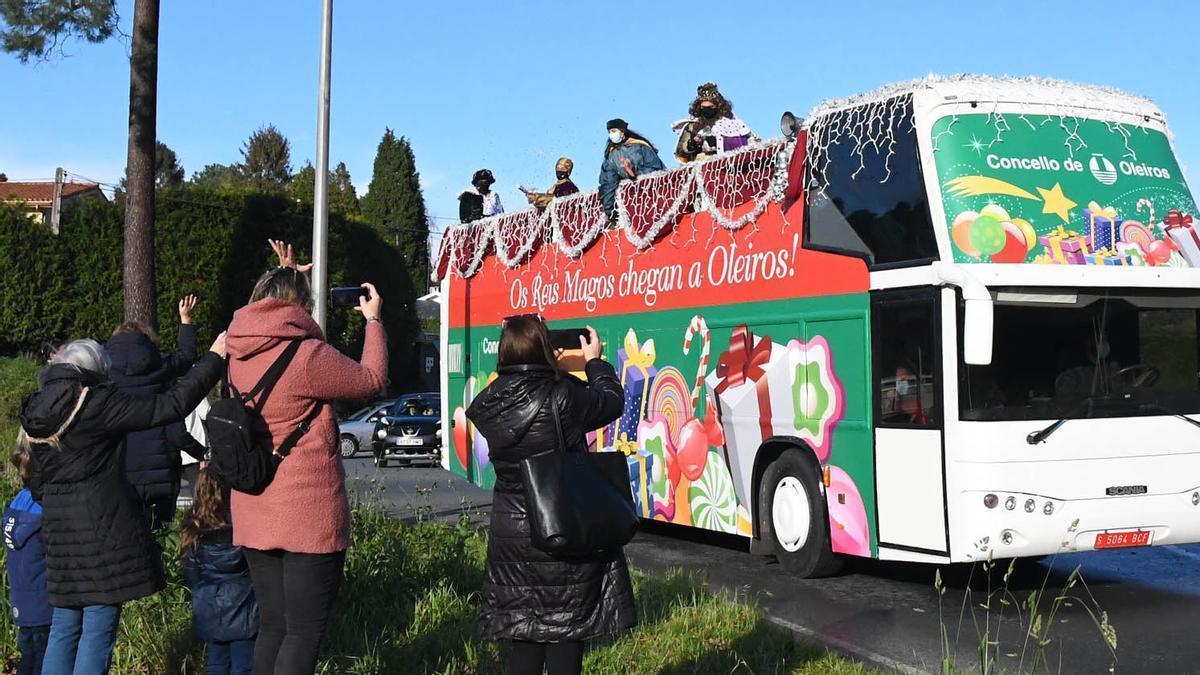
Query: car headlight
(438, 433)
(381, 434)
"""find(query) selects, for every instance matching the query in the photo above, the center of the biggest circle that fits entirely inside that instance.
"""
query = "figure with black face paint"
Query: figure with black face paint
(712, 129)
(627, 156)
(479, 201)
(563, 185)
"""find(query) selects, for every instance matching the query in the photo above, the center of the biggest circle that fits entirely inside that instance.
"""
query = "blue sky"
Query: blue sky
(513, 85)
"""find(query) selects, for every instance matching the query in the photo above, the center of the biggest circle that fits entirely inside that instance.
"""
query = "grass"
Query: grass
(410, 600)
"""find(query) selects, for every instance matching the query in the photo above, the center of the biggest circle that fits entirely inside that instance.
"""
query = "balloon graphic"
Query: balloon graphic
(482, 456)
(460, 436)
(960, 231)
(1031, 238)
(1015, 248)
(1159, 252)
(848, 530)
(996, 211)
(987, 235)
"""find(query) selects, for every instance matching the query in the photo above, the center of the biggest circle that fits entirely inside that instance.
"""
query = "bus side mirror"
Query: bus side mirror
(977, 332)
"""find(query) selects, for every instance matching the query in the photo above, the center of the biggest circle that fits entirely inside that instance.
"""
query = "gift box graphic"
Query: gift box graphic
(641, 479)
(1065, 247)
(635, 364)
(1104, 227)
(752, 390)
(1182, 230)
(1106, 257)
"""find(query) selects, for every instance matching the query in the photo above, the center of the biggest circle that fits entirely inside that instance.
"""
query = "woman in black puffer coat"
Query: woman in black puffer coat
(99, 549)
(546, 607)
(152, 462)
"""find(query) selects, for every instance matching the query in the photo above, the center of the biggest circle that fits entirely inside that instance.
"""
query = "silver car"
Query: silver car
(355, 431)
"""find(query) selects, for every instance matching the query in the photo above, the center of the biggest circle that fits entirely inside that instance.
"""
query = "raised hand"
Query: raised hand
(591, 345)
(287, 256)
(371, 305)
(186, 305)
(218, 345)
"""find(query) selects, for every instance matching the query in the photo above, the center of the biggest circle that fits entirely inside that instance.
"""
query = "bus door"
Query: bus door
(909, 451)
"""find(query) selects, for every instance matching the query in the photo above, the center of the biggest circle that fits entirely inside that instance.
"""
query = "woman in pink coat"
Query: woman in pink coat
(295, 534)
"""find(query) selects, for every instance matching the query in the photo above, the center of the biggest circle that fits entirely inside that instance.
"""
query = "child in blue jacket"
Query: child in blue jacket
(224, 609)
(31, 612)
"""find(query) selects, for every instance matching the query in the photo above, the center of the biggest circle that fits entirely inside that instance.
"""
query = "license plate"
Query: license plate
(408, 441)
(1123, 539)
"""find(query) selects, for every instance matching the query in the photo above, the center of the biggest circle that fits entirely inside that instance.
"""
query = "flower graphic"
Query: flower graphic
(818, 398)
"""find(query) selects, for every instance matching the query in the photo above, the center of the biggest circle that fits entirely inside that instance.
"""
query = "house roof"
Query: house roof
(42, 192)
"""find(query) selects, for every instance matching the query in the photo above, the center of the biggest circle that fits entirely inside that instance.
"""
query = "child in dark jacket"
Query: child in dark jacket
(224, 610)
(26, 559)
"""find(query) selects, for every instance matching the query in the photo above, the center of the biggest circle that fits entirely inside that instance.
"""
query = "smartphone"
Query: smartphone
(567, 338)
(348, 296)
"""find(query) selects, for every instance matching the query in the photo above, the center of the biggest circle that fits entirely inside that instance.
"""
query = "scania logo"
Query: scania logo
(1125, 490)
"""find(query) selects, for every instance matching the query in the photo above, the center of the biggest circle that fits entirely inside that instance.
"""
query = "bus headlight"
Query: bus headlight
(1010, 503)
(1196, 499)
(1048, 509)
(1030, 505)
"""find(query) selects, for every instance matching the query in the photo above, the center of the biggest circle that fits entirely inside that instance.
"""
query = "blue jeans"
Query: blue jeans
(230, 658)
(81, 640)
(31, 640)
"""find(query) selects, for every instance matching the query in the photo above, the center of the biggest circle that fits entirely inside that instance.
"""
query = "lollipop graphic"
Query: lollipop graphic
(669, 400)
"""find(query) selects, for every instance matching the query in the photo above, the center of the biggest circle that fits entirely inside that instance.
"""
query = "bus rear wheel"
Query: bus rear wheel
(792, 513)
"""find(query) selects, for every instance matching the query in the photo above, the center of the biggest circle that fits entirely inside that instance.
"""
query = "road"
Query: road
(888, 613)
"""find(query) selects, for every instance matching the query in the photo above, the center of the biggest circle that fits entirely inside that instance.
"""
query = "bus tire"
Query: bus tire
(793, 514)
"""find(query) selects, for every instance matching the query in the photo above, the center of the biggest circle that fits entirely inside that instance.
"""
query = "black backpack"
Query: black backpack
(237, 432)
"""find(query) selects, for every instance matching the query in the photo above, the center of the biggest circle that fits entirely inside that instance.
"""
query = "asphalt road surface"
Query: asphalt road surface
(891, 614)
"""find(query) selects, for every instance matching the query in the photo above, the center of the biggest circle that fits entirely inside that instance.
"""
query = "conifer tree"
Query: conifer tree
(395, 206)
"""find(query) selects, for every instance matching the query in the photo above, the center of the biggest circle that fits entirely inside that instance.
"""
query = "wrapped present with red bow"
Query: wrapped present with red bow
(1182, 231)
(1066, 247)
(752, 389)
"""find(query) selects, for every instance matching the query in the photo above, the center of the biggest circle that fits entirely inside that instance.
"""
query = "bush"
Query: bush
(211, 242)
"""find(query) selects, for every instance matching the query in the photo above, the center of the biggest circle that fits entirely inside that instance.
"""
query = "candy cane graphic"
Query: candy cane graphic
(698, 325)
(1149, 204)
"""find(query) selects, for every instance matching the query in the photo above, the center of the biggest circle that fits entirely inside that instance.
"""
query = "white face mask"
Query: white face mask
(616, 136)
(902, 387)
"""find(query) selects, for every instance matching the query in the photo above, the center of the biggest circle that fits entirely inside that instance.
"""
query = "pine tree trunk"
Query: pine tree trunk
(139, 286)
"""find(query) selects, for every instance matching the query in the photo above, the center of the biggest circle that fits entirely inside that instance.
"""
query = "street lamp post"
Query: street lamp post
(320, 274)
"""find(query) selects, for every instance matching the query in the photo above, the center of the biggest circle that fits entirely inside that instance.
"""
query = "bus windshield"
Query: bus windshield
(1085, 354)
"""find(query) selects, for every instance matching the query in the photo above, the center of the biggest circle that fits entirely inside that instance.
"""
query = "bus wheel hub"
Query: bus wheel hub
(791, 515)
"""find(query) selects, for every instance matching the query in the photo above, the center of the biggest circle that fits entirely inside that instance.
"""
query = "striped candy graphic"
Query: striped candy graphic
(698, 325)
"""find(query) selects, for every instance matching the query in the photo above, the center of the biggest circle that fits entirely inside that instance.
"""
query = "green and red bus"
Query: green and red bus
(949, 320)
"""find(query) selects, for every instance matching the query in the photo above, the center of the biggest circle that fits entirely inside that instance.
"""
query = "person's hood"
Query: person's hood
(45, 410)
(504, 411)
(261, 325)
(133, 354)
(22, 520)
(220, 558)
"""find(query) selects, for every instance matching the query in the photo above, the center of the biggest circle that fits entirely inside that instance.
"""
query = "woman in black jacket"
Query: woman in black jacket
(152, 462)
(546, 607)
(99, 549)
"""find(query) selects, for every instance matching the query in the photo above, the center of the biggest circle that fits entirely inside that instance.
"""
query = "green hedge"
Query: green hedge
(209, 242)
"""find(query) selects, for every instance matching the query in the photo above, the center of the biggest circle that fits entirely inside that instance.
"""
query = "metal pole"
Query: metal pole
(320, 274)
(56, 201)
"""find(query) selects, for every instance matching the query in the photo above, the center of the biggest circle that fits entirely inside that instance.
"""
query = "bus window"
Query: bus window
(873, 203)
(1088, 355)
(906, 363)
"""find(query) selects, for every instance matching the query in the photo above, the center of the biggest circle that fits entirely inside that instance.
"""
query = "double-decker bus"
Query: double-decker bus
(945, 321)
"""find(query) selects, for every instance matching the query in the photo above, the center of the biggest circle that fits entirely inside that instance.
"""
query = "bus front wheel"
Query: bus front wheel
(792, 513)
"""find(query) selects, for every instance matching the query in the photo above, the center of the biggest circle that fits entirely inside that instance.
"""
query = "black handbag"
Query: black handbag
(579, 503)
